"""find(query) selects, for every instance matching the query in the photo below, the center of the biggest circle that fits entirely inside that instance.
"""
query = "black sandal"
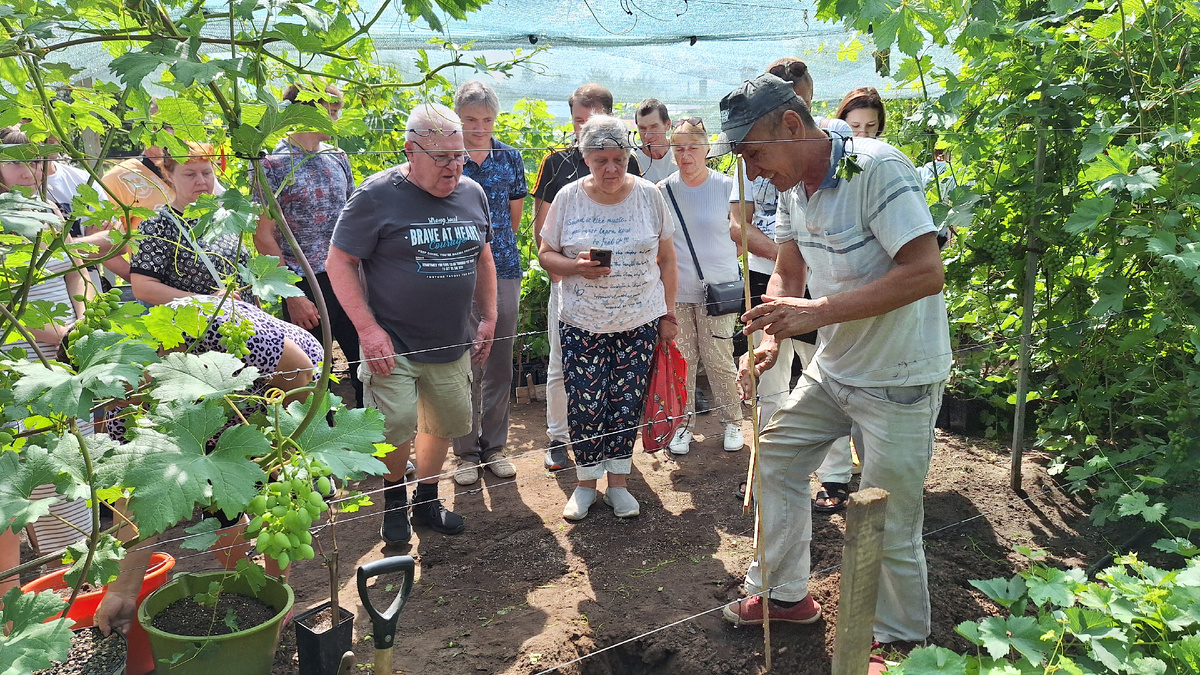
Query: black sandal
(838, 491)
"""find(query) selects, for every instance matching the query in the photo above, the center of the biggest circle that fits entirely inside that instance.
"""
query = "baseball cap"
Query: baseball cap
(743, 106)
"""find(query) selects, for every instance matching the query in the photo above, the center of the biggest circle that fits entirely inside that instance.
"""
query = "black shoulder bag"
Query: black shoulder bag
(719, 299)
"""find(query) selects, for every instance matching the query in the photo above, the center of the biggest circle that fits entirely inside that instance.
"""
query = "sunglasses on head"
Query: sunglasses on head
(691, 121)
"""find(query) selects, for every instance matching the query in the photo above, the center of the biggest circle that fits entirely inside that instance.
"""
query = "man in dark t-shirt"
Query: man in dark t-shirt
(559, 169)
(421, 233)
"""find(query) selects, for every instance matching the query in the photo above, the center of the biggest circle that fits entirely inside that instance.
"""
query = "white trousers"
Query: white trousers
(557, 427)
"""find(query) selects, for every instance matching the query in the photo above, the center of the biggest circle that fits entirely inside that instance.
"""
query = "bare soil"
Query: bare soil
(186, 617)
(524, 591)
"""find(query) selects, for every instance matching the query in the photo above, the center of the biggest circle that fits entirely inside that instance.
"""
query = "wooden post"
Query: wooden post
(1031, 261)
(862, 557)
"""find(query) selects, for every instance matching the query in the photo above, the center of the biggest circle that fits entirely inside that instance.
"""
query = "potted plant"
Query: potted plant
(326, 632)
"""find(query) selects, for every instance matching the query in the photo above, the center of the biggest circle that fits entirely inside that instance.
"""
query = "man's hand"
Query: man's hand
(303, 312)
(116, 612)
(378, 350)
(765, 356)
(784, 317)
(483, 341)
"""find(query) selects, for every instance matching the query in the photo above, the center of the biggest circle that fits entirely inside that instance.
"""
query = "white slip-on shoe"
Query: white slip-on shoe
(581, 500)
(681, 442)
(733, 437)
(467, 473)
(501, 467)
(623, 504)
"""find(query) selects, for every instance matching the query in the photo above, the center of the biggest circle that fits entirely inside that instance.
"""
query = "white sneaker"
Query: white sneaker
(501, 467)
(410, 468)
(681, 442)
(581, 500)
(623, 504)
(733, 437)
(467, 473)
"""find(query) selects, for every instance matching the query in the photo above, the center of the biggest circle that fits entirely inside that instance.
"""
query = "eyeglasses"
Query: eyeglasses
(622, 141)
(443, 159)
(691, 121)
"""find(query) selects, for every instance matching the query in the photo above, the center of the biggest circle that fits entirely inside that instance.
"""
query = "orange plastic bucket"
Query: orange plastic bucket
(83, 612)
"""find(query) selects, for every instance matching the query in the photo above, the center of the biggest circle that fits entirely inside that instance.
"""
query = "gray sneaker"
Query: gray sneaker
(556, 457)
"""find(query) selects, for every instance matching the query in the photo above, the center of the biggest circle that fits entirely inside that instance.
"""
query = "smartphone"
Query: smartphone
(601, 255)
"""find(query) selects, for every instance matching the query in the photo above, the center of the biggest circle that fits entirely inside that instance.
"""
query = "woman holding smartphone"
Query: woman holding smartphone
(612, 314)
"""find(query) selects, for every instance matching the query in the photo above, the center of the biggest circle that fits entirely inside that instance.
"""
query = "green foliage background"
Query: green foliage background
(1114, 90)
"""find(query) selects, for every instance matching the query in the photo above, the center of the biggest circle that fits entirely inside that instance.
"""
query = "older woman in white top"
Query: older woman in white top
(702, 198)
(615, 307)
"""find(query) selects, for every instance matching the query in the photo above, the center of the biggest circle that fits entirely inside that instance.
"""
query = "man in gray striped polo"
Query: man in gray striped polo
(854, 225)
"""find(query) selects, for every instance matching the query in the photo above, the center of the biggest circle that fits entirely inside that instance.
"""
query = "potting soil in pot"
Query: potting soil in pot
(188, 618)
(92, 653)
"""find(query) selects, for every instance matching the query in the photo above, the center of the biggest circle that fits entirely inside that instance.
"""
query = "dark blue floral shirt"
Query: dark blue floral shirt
(311, 199)
(502, 177)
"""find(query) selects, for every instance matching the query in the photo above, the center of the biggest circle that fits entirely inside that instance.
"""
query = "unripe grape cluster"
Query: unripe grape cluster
(235, 333)
(96, 313)
(282, 514)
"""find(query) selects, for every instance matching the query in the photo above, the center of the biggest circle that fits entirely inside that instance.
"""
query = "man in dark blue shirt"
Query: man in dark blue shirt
(499, 169)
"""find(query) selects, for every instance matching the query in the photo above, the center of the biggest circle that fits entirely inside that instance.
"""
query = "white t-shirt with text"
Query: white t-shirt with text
(632, 229)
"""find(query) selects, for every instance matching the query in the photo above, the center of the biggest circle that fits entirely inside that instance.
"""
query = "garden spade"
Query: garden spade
(383, 625)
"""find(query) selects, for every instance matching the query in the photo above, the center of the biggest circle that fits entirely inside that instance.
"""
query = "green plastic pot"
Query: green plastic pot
(247, 652)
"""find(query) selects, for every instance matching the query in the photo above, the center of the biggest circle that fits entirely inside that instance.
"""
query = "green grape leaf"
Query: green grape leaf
(24, 216)
(348, 447)
(1187, 652)
(169, 325)
(254, 575)
(1088, 214)
(1145, 665)
(171, 473)
(202, 535)
(188, 377)
(133, 67)
(1112, 295)
(231, 213)
(934, 660)
(1188, 260)
(1091, 624)
(1054, 586)
(108, 361)
(1007, 593)
(31, 644)
(23, 473)
(188, 73)
(1000, 635)
(72, 471)
(106, 561)
(49, 390)
(1112, 653)
(269, 280)
(1138, 504)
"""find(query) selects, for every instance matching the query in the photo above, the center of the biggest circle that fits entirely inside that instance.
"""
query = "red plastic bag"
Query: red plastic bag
(666, 397)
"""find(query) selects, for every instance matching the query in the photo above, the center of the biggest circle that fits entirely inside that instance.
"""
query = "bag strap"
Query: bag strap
(688, 237)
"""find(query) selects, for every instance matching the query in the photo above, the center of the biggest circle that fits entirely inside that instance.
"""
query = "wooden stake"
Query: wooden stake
(862, 557)
(752, 473)
(750, 478)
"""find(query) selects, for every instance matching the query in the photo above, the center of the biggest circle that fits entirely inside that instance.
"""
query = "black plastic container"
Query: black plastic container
(321, 653)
